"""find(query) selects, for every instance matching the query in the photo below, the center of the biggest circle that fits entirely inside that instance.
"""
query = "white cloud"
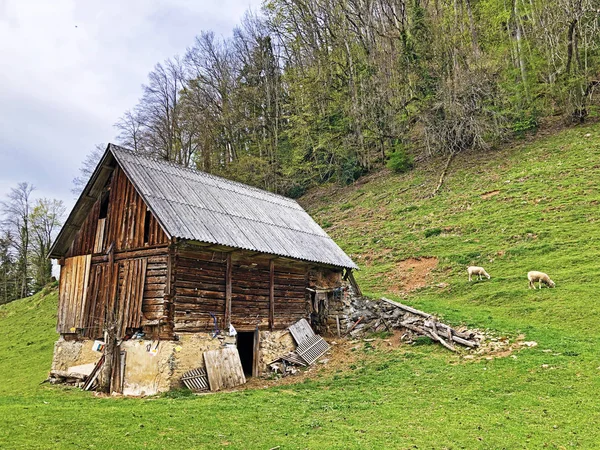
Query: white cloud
(72, 67)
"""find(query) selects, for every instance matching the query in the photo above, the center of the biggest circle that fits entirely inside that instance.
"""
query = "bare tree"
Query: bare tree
(87, 168)
(16, 212)
(130, 131)
(45, 218)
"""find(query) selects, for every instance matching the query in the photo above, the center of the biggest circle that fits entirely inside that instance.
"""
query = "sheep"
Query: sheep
(540, 277)
(479, 271)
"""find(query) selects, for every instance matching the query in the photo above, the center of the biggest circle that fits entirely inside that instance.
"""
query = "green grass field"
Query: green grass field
(544, 216)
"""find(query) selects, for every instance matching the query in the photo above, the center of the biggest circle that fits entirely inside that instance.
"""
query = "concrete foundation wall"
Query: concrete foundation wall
(157, 366)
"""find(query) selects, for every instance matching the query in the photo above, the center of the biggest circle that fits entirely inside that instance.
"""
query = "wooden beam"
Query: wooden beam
(227, 316)
(271, 294)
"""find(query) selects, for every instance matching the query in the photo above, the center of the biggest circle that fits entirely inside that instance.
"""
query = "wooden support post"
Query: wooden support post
(227, 316)
(271, 294)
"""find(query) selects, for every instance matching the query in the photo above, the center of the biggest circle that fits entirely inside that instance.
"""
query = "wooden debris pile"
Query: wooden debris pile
(424, 324)
(310, 347)
(362, 315)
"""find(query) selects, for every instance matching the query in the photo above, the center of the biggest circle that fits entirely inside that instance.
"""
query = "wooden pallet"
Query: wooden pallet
(196, 380)
(312, 349)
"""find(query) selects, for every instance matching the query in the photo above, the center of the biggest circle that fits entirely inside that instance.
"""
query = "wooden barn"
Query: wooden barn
(166, 259)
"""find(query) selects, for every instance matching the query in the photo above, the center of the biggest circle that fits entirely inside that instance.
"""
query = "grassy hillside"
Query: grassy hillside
(543, 216)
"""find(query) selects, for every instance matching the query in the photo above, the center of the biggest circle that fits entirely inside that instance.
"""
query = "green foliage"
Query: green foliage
(432, 232)
(422, 340)
(437, 77)
(525, 124)
(400, 161)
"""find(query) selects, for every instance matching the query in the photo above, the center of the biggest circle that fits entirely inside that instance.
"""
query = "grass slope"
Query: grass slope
(543, 217)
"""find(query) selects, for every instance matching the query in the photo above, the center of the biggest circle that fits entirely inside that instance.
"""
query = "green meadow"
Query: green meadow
(530, 206)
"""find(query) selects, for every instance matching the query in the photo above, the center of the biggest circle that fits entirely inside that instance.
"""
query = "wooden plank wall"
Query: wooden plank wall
(124, 224)
(200, 289)
(133, 288)
(291, 302)
(73, 291)
(250, 288)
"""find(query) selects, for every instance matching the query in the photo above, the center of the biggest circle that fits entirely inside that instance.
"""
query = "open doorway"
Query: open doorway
(245, 346)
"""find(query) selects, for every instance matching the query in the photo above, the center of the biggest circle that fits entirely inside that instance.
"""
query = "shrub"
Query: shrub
(423, 340)
(524, 124)
(400, 161)
(433, 232)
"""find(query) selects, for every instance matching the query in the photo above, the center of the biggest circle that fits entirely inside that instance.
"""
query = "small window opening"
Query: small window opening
(104, 206)
(147, 227)
(245, 345)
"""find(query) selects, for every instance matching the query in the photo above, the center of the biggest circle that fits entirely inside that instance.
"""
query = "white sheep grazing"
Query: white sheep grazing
(479, 271)
(540, 277)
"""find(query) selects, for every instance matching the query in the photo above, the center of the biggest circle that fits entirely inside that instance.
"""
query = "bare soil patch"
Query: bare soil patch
(411, 274)
(489, 194)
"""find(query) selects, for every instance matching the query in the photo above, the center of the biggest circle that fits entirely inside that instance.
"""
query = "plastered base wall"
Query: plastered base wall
(150, 366)
(157, 366)
(73, 353)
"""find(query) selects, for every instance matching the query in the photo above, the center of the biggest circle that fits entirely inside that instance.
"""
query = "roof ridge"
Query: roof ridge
(240, 217)
(201, 172)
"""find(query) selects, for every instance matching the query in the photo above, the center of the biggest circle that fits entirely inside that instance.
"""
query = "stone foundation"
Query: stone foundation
(274, 344)
(156, 366)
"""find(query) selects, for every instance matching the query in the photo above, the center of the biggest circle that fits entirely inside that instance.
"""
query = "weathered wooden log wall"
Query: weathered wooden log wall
(130, 283)
(262, 290)
(199, 289)
(125, 222)
(73, 291)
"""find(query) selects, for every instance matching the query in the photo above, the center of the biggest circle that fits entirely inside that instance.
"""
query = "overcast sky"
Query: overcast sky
(70, 68)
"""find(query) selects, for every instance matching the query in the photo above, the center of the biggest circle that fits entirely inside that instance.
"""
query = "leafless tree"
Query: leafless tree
(131, 131)
(45, 218)
(16, 210)
(87, 168)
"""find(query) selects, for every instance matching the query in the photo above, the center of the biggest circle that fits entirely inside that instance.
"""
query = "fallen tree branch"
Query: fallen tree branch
(444, 172)
(428, 333)
(407, 308)
(426, 324)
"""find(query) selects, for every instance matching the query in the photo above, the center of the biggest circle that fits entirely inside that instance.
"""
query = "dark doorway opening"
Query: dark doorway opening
(245, 345)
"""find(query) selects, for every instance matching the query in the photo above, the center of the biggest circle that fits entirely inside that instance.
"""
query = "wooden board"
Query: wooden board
(224, 368)
(312, 349)
(196, 380)
(73, 293)
(301, 331)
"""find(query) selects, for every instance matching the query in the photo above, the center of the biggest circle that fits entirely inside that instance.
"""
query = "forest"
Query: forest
(307, 92)
(27, 229)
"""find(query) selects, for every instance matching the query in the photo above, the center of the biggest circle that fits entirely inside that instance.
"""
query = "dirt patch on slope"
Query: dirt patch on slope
(411, 274)
(489, 194)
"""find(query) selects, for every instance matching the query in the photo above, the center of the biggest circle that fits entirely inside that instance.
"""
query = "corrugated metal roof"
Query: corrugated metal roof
(198, 206)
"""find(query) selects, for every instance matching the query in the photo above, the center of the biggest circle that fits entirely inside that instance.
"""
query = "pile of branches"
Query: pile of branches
(386, 314)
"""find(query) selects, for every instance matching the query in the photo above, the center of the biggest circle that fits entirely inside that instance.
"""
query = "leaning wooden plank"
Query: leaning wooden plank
(90, 381)
(301, 331)
(407, 308)
(224, 368)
